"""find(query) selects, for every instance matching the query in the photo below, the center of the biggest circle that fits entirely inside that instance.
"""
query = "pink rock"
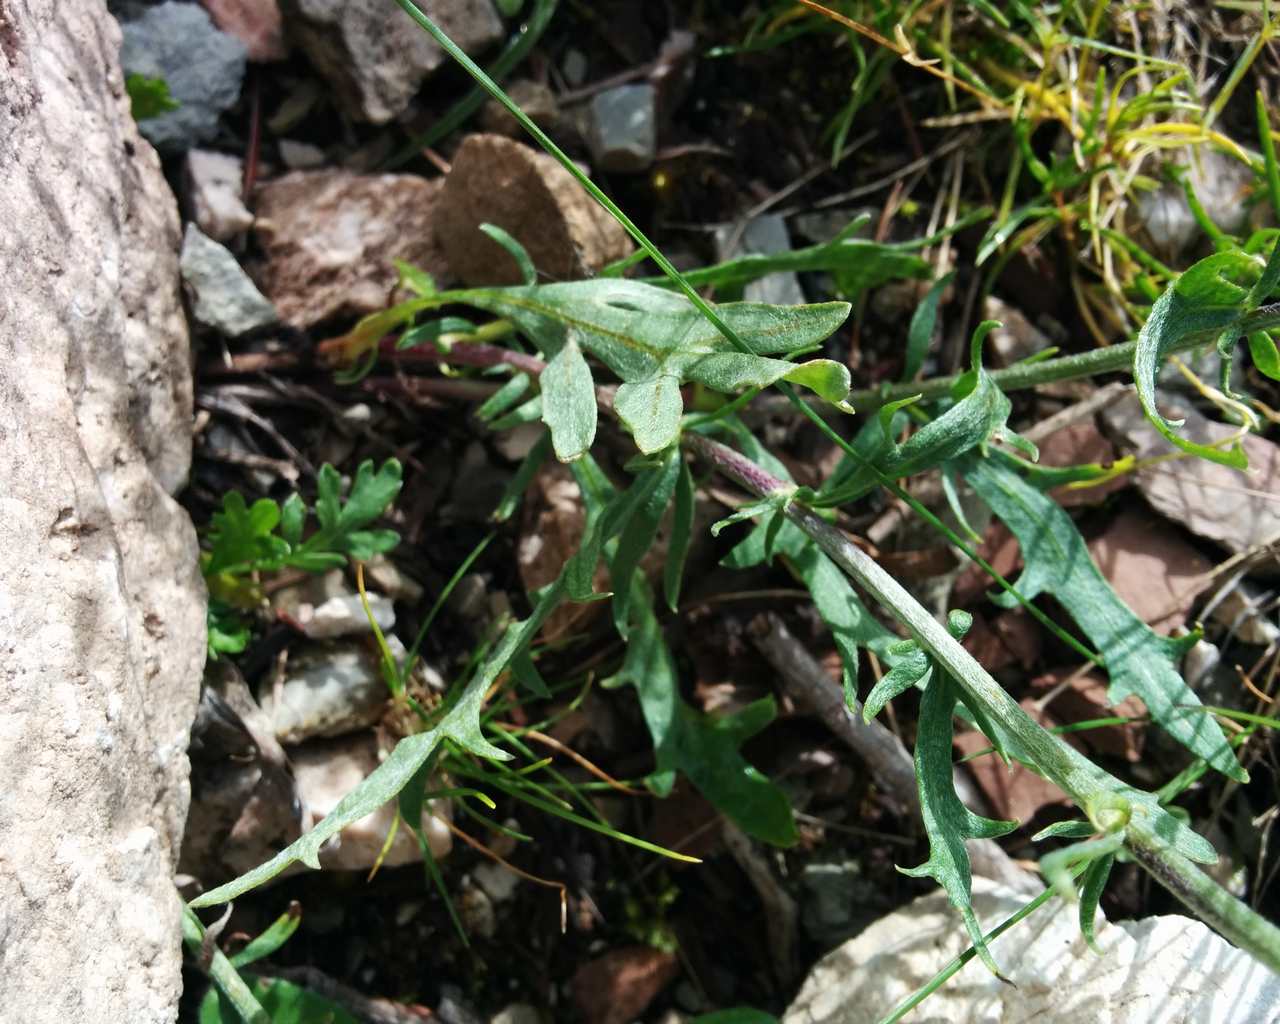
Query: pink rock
(330, 239)
(256, 23)
(617, 988)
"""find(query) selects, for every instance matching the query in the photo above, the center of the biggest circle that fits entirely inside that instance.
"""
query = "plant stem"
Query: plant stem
(220, 969)
(1227, 915)
(1084, 364)
(1079, 777)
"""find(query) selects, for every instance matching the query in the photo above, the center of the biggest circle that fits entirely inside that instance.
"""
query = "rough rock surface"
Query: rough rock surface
(101, 602)
(373, 54)
(1158, 969)
(622, 128)
(256, 23)
(222, 295)
(202, 67)
(212, 194)
(535, 200)
(330, 237)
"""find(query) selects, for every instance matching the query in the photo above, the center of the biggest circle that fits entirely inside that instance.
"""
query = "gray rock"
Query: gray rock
(328, 690)
(517, 1013)
(373, 54)
(622, 128)
(101, 600)
(300, 156)
(212, 193)
(1222, 185)
(838, 900)
(202, 67)
(223, 296)
(764, 235)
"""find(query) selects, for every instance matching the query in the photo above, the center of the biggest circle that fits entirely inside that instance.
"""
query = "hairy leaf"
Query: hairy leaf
(1209, 297)
(655, 341)
(947, 822)
(569, 400)
(1138, 661)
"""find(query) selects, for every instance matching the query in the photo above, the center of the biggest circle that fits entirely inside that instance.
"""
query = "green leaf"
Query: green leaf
(681, 534)
(703, 748)
(522, 477)
(293, 515)
(240, 535)
(654, 341)
(947, 822)
(738, 1015)
(640, 532)
(272, 939)
(148, 97)
(569, 400)
(1095, 881)
(528, 273)
(504, 398)
(920, 333)
(283, 1001)
(371, 493)
(1209, 297)
(414, 279)
(1138, 661)
(651, 410)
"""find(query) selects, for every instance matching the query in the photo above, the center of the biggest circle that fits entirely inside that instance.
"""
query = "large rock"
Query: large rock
(1167, 968)
(202, 67)
(330, 238)
(373, 54)
(101, 602)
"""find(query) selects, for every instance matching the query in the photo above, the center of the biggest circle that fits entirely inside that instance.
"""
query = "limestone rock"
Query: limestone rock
(101, 601)
(256, 23)
(535, 200)
(1156, 969)
(212, 194)
(373, 54)
(330, 237)
(222, 295)
(202, 67)
(327, 691)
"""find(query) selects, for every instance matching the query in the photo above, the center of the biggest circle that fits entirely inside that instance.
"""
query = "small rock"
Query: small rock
(1016, 339)
(224, 297)
(475, 910)
(617, 987)
(498, 882)
(574, 67)
(387, 577)
(1157, 969)
(300, 156)
(535, 98)
(202, 67)
(622, 128)
(763, 235)
(256, 23)
(328, 690)
(1221, 183)
(329, 238)
(1241, 611)
(372, 52)
(529, 195)
(325, 607)
(212, 186)
(517, 1013)
(327, 770)
(838, 901)
(823, 225)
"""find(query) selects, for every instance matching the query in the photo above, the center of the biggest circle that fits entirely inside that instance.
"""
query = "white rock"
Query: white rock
(1157, 969)
(213, 182)
(517, 1013)
(223, 296)
(101, 601)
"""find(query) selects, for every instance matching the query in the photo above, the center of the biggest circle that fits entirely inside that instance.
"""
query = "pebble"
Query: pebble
(224, 298)
(202, 66)
(212, 184)
(328, 690)
(622, 129)
(300, 156)
(256, 23)
(764, 235)
(374, 56)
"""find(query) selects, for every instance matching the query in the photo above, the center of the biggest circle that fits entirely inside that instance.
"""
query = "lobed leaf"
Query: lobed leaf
(1138, 661)
(947, 822)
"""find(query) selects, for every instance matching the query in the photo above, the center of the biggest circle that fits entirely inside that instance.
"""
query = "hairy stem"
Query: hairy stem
(1029, 375)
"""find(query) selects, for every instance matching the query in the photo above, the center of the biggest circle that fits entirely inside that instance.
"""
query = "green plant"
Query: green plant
(654, 340)
(247, 540)
(148, 97)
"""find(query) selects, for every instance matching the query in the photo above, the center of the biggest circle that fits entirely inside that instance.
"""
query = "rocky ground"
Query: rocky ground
(311, 151)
